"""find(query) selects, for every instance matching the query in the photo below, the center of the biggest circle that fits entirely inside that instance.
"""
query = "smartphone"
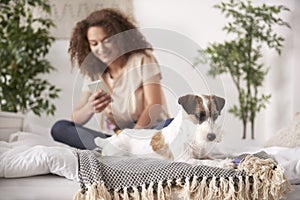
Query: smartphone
(97, 85)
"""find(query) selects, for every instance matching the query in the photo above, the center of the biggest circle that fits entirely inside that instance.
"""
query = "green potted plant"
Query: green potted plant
(25, 40)
(250, 27)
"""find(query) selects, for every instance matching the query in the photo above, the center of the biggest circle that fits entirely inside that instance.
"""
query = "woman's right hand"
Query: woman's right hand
(99, 100)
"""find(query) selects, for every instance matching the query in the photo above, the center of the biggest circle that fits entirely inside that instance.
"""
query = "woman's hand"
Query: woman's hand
(89, 104)
(99, 100)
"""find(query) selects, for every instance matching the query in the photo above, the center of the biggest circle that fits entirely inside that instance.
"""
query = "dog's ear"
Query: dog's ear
(219, 102)
(190, 103)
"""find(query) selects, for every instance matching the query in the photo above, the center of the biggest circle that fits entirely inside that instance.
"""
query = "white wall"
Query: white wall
(197, 21)
(202, 23)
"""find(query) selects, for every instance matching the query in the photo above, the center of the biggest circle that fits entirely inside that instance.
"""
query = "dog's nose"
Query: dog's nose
(211, 136)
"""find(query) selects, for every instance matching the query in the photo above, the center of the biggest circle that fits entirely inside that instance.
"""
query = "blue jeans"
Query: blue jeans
(164, 124)
(81, 137)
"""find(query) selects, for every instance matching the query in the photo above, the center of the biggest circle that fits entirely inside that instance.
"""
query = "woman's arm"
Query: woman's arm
(82, 111)
(88, 104)
(153, 100)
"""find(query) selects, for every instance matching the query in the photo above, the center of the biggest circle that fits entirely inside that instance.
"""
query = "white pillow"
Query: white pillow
(288, 136)
(30, 139)
(29, 154)
(23, 161)
(289, 159)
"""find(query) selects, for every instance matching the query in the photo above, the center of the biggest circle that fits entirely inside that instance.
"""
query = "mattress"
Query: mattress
(52, 187)
(46, 187)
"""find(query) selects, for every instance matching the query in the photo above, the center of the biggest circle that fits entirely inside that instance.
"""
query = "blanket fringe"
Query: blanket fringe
(80, 195)
(269, 181)
(116, 194)
(136, 194)
(265, 180)
(144, 193)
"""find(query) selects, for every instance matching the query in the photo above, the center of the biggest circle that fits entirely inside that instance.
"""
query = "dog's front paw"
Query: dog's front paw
(227, 164)
(220, 163)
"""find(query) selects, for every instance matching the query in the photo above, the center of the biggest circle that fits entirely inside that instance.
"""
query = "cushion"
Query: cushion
(288, 136)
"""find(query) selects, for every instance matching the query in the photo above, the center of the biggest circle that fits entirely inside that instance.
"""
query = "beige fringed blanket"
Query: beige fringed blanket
(257, 177)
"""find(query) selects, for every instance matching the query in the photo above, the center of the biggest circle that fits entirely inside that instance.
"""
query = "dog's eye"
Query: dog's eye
(201, 116)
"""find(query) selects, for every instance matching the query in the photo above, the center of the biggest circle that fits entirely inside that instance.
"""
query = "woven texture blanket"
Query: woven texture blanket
(257, 177)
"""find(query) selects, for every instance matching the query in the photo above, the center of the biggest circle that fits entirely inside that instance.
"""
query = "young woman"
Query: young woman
(107, 46)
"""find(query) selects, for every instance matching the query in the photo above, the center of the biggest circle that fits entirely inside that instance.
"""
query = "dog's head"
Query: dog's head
(203, 111)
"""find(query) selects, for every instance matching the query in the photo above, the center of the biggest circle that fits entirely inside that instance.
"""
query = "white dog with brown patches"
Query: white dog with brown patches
(191, 135)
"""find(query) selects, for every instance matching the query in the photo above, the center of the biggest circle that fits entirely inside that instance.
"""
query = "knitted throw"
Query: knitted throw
(257, 177)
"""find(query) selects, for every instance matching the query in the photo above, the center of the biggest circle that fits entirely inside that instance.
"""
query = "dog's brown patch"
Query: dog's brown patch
(215, 105)
(157, 141)
(160, 147)
(210, 104)
(194, 105)
(118, 132)
(191, 104)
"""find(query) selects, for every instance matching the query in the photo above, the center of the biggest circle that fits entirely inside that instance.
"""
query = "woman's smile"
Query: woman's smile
(102, 45)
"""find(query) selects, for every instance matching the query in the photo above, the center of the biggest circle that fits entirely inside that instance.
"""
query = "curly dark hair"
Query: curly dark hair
(113, 22)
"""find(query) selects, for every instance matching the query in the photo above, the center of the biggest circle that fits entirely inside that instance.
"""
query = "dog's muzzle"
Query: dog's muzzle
(211, 136)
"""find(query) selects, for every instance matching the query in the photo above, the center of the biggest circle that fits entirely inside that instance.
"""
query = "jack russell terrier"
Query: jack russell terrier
(191, 134)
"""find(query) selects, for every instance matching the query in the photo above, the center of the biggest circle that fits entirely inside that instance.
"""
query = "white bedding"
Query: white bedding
(28, 154)
(288, 158)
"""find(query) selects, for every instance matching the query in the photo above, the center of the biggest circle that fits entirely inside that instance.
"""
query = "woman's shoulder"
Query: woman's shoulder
(142, 57)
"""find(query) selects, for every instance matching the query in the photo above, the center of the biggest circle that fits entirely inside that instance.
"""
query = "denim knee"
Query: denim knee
(59, 127)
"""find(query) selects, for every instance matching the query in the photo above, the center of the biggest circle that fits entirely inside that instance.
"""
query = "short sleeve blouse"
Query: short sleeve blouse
(127, 92)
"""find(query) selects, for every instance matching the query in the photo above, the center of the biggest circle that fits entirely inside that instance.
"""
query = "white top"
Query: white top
(127, 92)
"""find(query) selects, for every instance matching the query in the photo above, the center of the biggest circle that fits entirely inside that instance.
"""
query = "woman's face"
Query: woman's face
(102, 45)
